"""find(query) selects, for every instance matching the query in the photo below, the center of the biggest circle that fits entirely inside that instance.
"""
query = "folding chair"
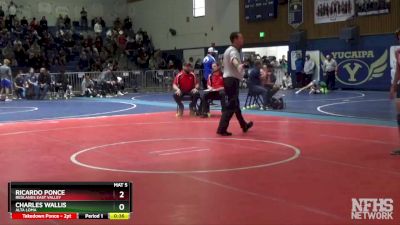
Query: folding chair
(252, 100)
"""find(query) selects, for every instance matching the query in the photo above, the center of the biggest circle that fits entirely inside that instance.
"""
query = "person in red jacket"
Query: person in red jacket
(185, 84)
(395, 91)
(215, 90)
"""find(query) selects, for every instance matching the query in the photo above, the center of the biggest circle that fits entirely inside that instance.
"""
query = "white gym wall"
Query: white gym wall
(157, 17)
(108, 9)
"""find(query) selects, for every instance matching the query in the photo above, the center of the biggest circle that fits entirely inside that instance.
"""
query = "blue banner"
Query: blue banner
(362, 69)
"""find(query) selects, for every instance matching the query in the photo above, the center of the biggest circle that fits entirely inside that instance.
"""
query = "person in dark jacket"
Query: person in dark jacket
(299, 70)
(255, 84)
(44, 81)
(43, 24)
(20, 85)
(33, 85)
(62, 84)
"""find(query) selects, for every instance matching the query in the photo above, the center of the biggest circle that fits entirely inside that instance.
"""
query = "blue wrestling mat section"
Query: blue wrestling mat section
(75, 108)
(351, 106)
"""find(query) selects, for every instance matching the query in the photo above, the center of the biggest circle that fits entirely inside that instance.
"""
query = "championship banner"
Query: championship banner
(329, 11)
(295, 13)
(362, 69)
(367, 7)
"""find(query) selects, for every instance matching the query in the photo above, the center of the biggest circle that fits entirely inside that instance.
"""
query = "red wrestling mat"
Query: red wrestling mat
(284, 171)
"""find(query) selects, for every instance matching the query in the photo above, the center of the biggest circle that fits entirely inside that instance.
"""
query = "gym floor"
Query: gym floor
(302, 165)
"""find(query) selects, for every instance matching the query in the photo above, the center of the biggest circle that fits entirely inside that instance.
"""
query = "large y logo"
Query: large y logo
(352, 71)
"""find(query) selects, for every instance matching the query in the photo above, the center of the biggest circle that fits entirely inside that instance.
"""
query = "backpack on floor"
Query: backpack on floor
(277, 104)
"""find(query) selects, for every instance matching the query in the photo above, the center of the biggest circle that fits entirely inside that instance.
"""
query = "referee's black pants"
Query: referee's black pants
(331, 80)
(231, 86)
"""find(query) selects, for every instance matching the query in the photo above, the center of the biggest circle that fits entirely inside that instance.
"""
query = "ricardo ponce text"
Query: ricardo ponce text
(39, 194)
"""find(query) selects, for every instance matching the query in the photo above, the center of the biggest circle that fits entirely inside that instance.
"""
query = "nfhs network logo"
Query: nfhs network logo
(372, 209)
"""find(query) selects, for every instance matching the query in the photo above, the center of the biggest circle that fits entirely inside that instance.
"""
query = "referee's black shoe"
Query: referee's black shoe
(397, 152)
(248, 126)
(224, 134)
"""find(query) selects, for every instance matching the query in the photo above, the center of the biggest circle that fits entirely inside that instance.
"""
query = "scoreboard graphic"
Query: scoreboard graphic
(259, 10)
(70, 201)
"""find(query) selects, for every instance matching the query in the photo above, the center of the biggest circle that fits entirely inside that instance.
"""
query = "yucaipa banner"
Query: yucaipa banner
(362, 68)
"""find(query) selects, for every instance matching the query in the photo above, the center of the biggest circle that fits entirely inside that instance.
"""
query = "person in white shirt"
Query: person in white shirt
(330, 69)
(233, 74)
(139, 36)
(12, 11)
(287, 82)
(98, 29)
(309, 69)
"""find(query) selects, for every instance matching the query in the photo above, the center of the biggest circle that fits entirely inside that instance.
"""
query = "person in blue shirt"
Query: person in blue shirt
(208, 61)
(299, 70)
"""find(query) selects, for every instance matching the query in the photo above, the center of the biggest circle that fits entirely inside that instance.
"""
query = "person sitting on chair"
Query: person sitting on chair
(255, 84)
(119, 84)
(215, 91)
(61, 84)
(21, 85)
(88, 87)
(287, 82)
(107, 83)
(185, 84)
(268, 80)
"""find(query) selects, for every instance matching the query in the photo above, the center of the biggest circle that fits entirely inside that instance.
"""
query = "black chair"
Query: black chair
(252, 99)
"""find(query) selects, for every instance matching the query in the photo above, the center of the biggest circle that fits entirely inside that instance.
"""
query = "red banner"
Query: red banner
(44, 216)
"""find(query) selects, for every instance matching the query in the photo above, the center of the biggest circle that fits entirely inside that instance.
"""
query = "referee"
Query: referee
(233, 74)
